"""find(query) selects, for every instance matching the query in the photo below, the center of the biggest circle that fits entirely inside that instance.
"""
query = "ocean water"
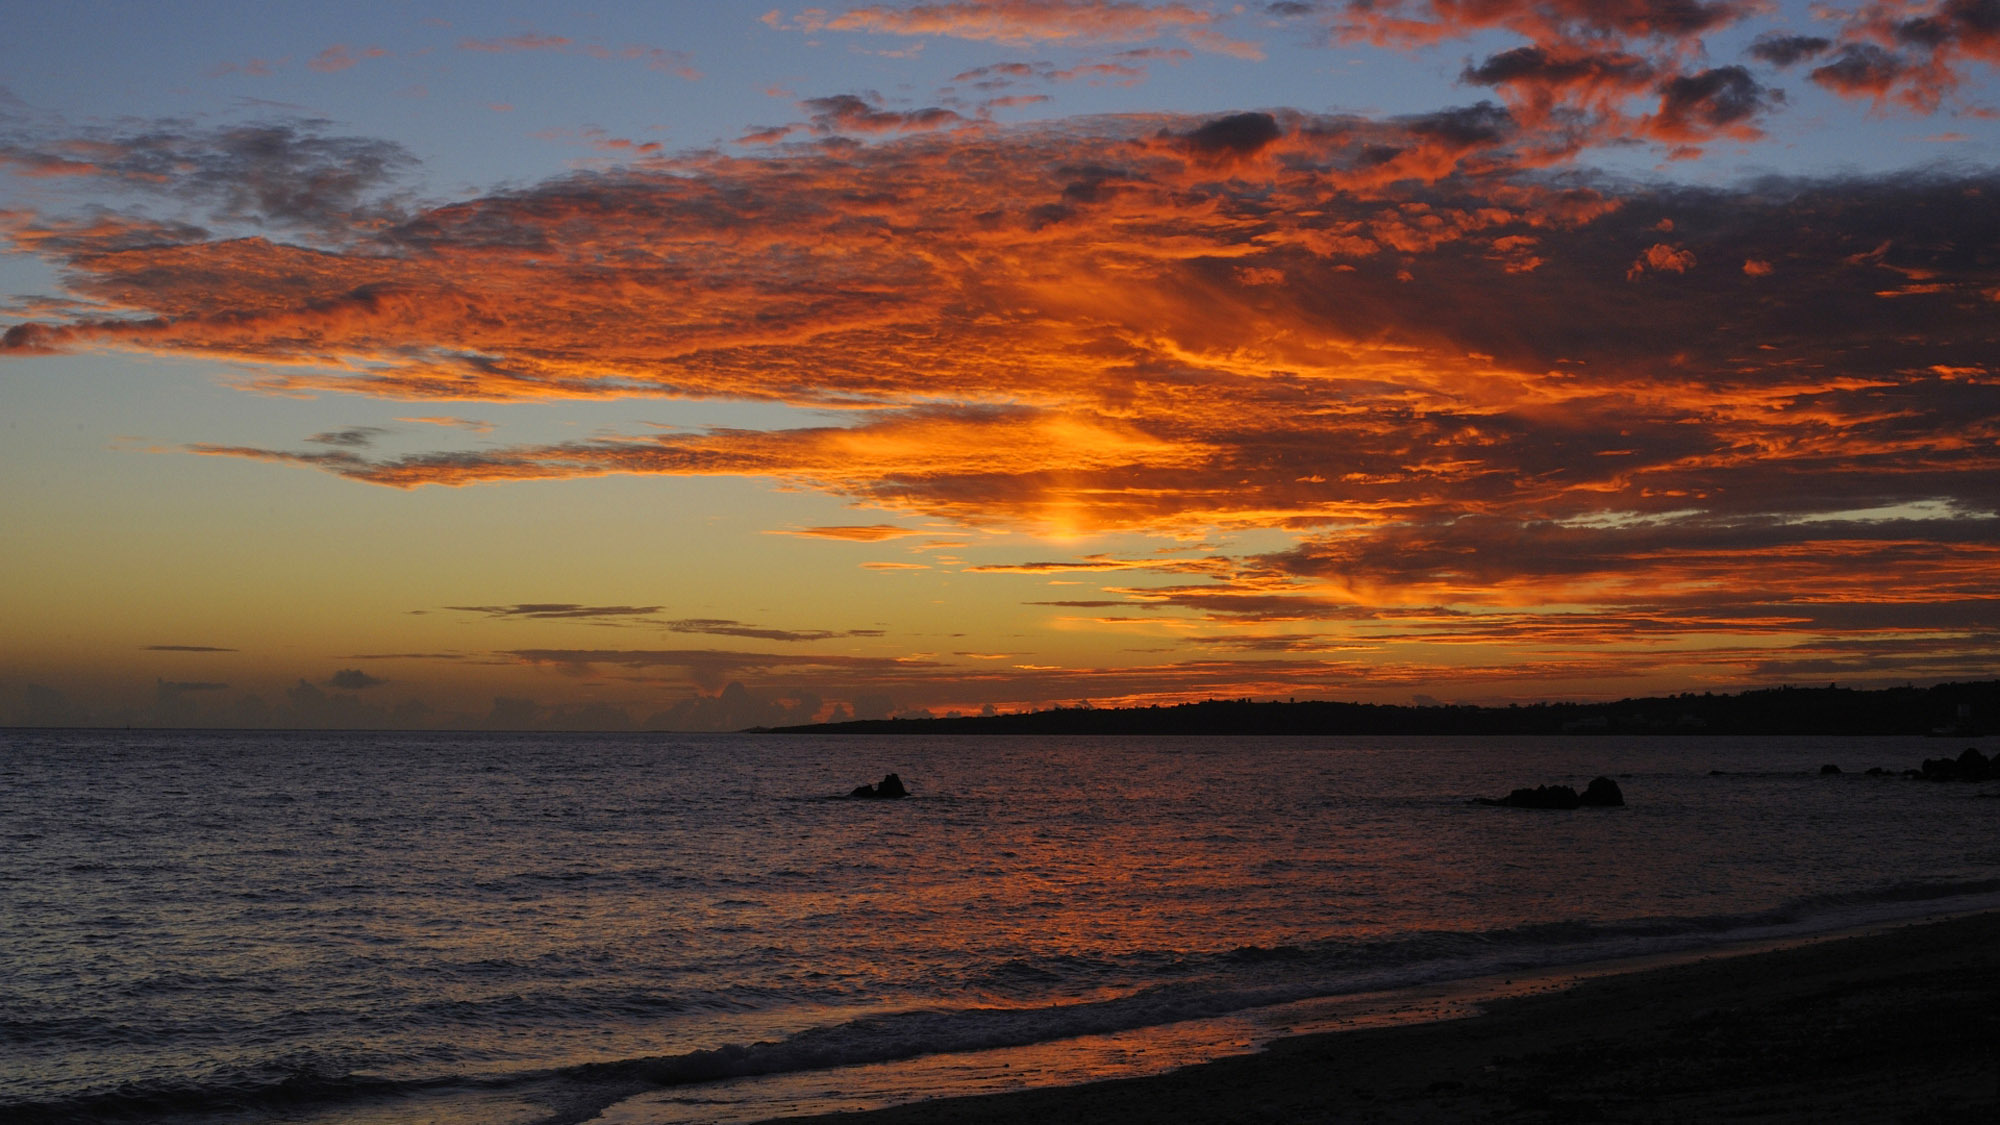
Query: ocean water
(368, 927)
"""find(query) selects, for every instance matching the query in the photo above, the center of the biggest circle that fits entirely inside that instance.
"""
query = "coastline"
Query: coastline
(1884, 1024)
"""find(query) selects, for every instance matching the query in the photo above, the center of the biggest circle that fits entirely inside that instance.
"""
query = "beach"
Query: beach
(1898, 1025)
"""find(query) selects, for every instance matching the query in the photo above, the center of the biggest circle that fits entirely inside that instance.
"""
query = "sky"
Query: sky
(699, 366)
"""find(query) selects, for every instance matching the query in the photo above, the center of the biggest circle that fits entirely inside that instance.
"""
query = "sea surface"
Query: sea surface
(347, 928)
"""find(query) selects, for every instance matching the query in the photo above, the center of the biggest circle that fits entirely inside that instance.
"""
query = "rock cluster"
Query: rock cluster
(890, 786)
(1970, 765)
(1602, 792)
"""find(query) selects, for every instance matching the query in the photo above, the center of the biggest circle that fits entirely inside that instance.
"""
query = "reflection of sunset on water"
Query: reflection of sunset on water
(370, 926)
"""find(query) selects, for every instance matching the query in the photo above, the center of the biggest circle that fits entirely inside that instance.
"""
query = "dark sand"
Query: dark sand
(1902, 1025)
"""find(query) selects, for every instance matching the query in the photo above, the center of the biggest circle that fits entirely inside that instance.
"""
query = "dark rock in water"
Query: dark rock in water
(1545, 797)
(890, 786)
(1540, 797)
(1828, 768)
(1974, 766)
(1602, 792)
(1877, 771)
(1970, 765)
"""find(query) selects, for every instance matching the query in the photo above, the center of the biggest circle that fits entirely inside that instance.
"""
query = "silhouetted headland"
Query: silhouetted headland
(1957, 710)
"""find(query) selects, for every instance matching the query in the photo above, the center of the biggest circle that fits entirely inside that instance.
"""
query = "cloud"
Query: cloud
(1104, 563)
(712, 668)
(849, 113)
(1221, 44)
(1124, 68)
(1423, 22)
(1788, 50)
(853, 533)
(340, 57)
(289, 175)
(1908, 53)
(1471, 380)
(1583, 75)
(1338, 392)
(1661, 258)
(485, 299)
(768, 134)
(1237, 135)
(1013, 101)
(554, 611)
(187, 648)
(353, 679)
(526, 41)
(472, 424)
(1278, 642)
(725, 628)
(1862, 69)
(1028, 21)
(979, 449)
(354, 437)
(1556, 68)
(1762, 595)
(1712, 103)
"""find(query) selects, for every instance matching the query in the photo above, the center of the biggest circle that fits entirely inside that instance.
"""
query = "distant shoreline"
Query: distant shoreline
(1877, 1026)
(1956, 710)
(1951, 710)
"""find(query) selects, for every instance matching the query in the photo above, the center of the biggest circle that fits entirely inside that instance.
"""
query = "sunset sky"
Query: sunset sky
(696, 366)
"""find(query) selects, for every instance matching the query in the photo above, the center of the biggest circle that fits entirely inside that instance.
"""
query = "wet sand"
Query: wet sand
(1901, 1025)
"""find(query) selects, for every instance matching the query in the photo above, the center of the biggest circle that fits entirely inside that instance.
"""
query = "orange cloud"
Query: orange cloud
(1661, 258)
(1015, 21)
(1396, 340)
(1421, 22)
(339, 57)
(1194, 322)
(1023, 22)
(860, 533)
